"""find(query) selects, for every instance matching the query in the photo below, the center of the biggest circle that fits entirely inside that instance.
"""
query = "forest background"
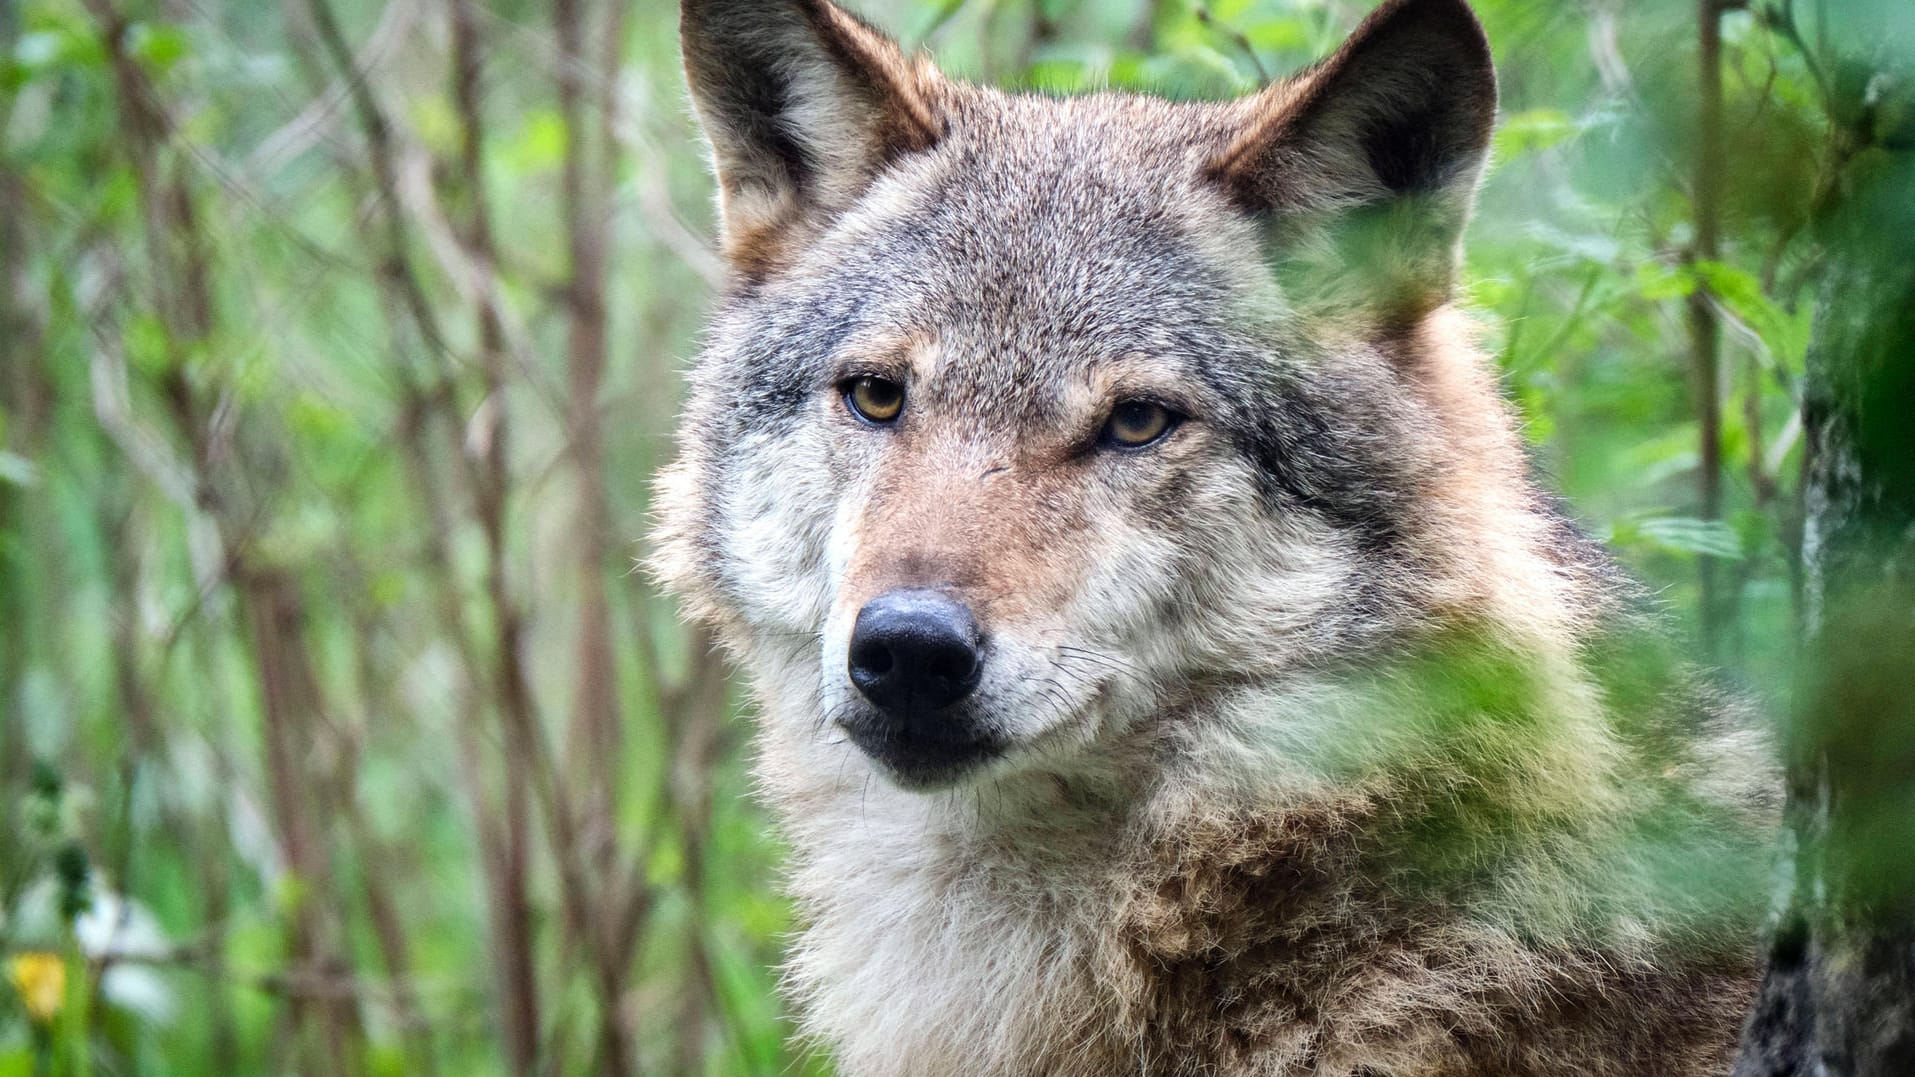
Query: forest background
(338, 341)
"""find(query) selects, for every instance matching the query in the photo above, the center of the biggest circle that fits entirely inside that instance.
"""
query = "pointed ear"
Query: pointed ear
(803, 104)
(1380, 147)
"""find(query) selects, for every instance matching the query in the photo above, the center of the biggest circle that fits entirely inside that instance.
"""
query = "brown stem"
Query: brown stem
(510, 838)
(377, 859)
(211, 844)
(24, 398)
(1705, 329)
(594, 742)
(398, 267)
(276, 619)
(525, 747)
(696, 713)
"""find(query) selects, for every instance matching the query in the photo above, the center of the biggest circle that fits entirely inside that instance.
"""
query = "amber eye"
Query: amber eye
(1136, 423)
(874, 400)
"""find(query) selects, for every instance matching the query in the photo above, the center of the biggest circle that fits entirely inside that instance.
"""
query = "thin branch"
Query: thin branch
(1705, 329)
(507, 840)
(377, 130)
(1237, 37)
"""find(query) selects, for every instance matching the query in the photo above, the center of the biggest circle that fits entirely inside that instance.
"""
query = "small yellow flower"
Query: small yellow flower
(41, 981)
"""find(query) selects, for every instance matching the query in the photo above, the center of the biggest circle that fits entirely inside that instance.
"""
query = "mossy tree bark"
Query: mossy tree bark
(1839, 998)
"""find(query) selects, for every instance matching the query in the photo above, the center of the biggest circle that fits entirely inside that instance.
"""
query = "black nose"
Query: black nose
(914, 652)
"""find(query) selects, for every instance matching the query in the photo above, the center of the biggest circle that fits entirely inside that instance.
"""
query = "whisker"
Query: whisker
(1077, 677)
(1110, 660)
(1096, 664)
(1051, 690)
(830, 716)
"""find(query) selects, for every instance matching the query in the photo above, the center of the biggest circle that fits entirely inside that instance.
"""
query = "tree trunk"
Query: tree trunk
(1839, 998)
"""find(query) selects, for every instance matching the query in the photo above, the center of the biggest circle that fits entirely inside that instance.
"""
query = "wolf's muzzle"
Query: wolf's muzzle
(915, 655)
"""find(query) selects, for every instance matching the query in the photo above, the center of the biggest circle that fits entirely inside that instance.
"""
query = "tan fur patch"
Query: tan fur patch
(988, 531)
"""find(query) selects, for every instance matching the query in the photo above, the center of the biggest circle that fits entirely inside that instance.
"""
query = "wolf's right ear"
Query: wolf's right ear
(803, 104)
(1378, 149)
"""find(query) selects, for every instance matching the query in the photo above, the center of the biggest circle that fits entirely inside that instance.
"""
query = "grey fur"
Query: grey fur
(1334, 748)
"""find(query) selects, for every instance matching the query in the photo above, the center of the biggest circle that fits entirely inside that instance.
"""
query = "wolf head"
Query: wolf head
(1026, 421)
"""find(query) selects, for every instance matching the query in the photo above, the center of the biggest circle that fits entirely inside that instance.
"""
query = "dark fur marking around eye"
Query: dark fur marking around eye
(1307, 458)
(779, 371)
(802, 327)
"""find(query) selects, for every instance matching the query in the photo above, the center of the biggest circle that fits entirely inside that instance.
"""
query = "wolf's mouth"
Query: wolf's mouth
(923, 758)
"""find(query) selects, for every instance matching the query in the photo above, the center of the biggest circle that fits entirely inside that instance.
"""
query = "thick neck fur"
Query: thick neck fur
(1354, 872)
(1194, 923)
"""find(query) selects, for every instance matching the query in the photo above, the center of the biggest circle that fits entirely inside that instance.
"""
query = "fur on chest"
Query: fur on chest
(1226, 944)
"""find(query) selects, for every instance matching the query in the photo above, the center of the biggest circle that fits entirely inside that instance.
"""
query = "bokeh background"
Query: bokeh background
(340, 732)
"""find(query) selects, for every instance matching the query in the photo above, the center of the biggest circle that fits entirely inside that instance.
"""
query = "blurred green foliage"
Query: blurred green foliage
(244, 484)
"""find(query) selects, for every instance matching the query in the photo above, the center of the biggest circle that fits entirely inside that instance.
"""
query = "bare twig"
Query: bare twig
(507, 840)
(313, 124)
(1236, 37)
(596, 741)
(1705, 330)
(397, 261)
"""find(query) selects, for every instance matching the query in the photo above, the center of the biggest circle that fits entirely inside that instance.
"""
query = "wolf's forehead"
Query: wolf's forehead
(1061, 229)
(1090, 190)
(1042, 239)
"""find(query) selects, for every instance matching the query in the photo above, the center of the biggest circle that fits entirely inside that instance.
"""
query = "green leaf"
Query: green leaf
(1659, 283)
(539, 145)
(1279, 35)
(437, 124)
(1060, 74)
(1680, 534)
(158, 46)
(1741, 294)
(313, 416)
(1533, 131)
(149, 347)
(1197, 70)
(63, 46)
(17, 470)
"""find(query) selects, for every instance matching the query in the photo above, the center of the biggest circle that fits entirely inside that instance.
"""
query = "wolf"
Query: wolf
(1166, 661)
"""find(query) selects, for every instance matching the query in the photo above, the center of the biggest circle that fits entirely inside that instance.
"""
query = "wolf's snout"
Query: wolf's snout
(914, 652)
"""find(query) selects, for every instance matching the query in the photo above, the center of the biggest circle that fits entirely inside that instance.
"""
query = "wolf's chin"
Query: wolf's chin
(926, 766)
(922, 757)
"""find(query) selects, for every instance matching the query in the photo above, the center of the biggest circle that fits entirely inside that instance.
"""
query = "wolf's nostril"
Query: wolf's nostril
(951, 666)
(914, 652)
(874, 658)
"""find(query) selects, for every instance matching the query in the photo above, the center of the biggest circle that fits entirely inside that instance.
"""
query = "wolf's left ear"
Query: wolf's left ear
(1382, 146)
(804, 105)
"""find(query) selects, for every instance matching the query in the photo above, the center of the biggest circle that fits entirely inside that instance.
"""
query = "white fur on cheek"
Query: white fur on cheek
(776, 510)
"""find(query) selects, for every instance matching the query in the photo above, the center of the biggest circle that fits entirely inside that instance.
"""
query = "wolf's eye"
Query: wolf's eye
(875, 400)
(1134, 424)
